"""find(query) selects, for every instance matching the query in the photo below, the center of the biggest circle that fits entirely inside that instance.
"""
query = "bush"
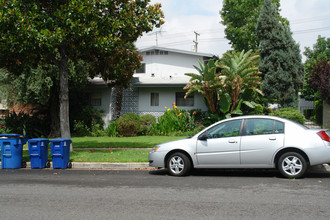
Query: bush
(258, 110)
(146, 122)
(128, 125)
(4, 129)
(318, 112)
(89, 116)
(111, 130)
(174, 122)
(291, 114)
(80, 129)
(37, 125)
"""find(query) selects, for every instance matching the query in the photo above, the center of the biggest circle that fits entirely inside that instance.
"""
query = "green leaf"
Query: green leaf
(224, 103)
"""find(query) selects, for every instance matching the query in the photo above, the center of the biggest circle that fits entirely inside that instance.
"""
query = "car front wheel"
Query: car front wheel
(178, 164)
(292, 165)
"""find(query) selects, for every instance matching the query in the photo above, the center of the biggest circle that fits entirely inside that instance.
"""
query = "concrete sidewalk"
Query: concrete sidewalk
(145, 166)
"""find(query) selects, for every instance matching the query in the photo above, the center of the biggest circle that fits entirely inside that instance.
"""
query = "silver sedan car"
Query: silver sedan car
(246, 142)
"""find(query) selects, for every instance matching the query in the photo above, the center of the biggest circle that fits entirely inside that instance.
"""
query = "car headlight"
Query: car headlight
(154, 149)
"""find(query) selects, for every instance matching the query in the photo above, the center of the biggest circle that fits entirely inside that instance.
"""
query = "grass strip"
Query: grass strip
(121, 142)
(111, 156)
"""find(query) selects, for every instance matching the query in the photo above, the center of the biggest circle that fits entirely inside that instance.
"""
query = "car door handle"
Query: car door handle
(232, 141)
(272, 138)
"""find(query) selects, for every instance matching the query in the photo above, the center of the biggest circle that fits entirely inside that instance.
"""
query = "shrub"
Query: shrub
(80, 129)
(33, 126)
(111, 130)
(174, 121)
(258, 110)
(128, 125)
(291, 114)
(146, 122)
(197, 115)
(90, 116)
(97, 129)
(4, 129)
(318, 112)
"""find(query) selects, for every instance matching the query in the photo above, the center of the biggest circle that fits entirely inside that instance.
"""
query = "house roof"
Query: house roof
(176, 51)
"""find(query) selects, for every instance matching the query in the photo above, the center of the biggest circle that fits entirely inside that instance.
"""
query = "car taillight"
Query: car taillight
(324, 136)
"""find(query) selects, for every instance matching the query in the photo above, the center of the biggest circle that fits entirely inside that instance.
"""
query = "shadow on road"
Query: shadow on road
(241, 173)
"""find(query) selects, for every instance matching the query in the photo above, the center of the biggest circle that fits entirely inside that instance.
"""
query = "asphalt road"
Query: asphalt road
(142, 194)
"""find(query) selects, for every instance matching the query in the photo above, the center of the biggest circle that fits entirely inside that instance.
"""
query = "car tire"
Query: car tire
(292, 165)
(178, 164)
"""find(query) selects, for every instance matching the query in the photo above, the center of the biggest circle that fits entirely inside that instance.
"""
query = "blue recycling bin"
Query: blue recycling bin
(12, 150)
(60, 151)
(38, 152)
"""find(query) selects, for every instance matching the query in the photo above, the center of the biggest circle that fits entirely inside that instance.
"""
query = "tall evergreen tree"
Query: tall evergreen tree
(280, 59)
(240, 18)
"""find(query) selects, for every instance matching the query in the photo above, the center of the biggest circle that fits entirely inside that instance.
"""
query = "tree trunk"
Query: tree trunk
(119, 100)
(64, 95)
(54, 116)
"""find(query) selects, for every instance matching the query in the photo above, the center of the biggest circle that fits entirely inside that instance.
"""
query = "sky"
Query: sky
(308, 19)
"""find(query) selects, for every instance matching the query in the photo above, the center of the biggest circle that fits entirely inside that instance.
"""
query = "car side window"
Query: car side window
(258, 126)
(278, 127)
(226, 129)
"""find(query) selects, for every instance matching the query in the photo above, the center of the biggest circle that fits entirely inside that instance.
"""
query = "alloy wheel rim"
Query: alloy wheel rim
(176, 164)
(292, 165)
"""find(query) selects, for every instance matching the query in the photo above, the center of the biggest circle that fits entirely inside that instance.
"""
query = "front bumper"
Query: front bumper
(157, 159)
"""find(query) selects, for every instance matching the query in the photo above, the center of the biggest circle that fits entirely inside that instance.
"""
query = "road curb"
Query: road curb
(145, 166)
(112, 166)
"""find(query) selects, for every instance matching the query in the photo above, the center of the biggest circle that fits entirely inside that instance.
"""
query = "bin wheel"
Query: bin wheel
(48, 164)
(23, 164)
(69, 165)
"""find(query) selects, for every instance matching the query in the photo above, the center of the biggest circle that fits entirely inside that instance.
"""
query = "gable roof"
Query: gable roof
(176, 51)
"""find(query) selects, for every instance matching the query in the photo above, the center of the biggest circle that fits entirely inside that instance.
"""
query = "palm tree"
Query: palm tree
(204, 83)
(239, 72)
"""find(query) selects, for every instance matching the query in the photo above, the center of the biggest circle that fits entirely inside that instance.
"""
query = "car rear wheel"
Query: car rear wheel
(178, 164)
(292, 165)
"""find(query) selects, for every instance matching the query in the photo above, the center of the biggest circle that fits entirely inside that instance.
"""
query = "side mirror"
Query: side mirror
(203, 137)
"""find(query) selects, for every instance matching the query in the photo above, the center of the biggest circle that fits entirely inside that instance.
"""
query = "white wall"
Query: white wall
(166, 98)
(173, 64)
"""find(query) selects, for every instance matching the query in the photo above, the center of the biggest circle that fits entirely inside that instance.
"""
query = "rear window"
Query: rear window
(258, 126)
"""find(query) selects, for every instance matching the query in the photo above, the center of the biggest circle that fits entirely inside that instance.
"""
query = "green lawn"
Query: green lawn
(111, 155)
(121, 142)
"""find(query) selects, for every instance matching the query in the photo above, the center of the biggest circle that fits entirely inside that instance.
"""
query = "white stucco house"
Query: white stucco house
(158, 83)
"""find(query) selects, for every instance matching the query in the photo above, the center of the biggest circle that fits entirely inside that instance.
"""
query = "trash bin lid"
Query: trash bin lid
(11, 136)
(61, 140)
(38, 139)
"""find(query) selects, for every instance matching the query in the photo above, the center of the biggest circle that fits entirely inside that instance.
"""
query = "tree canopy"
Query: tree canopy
(280, 59)
(56, 31)
(240, 18)
(320, 51)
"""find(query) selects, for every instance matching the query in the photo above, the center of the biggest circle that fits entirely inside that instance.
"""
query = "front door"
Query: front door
(221, 146)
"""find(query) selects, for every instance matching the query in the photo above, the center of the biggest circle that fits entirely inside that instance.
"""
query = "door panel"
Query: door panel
(218, 151)
(262, 137)
(260, 149)
(221, 146)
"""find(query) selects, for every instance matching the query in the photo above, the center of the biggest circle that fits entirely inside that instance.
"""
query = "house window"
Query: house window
(181, 101)
(142, 69)
(95, 99)
(157, 52)
(154, 99)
